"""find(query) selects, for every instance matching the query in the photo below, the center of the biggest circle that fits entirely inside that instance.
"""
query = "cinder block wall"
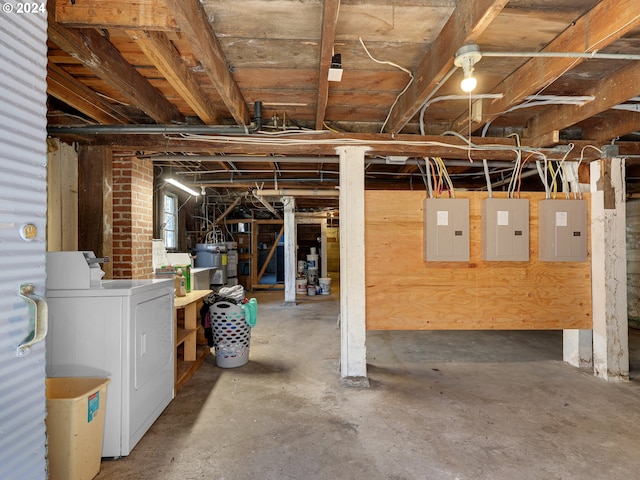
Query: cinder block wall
(132, 217)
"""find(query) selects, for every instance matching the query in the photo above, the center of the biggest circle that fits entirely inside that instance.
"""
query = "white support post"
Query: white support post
(609, 270)
(577, 345)
(353, 356)
(289, 250)
(323, 248)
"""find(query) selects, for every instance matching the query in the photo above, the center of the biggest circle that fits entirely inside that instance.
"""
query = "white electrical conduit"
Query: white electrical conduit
(487, 177)
(427, 103)
(632, 107)
(594, 54)
(542, 100)
(296, 192)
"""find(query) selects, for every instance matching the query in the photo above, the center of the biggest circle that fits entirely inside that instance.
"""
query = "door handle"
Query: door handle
(38, 317)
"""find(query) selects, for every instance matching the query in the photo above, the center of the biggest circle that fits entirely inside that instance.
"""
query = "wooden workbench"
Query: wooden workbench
(189, 354)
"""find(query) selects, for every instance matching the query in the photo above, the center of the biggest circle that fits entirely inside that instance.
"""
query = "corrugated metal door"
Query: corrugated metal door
(23, 68)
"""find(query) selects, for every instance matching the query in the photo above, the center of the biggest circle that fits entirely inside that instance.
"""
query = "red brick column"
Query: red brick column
(132, 217)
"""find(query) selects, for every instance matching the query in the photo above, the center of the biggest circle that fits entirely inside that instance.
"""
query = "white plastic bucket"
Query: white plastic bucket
(312, 276)
(325, 286)
(312, 261)
(301, 286)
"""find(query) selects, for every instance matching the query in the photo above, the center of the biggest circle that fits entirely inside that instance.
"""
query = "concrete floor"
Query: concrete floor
(442, 405)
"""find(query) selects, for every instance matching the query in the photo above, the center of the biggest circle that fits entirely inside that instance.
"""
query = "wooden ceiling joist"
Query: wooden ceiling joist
(194, 24)
(612, 125)
(100, 56)
(75, 94)
(141, 14)
(468, 21)
(602, 25)
(609, 92)
(163, 54)
(329, 23)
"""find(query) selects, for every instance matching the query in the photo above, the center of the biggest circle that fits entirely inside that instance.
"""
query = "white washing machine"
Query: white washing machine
(120, 329)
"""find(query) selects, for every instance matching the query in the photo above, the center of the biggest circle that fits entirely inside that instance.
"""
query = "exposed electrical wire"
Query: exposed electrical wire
(429, 185)
(427, 103)
(324, 124)
(384, 62)
(259, 140)
(424, 180)
(516, 167)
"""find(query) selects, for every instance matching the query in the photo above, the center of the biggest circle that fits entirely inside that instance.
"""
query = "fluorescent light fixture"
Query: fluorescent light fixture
(181, 186)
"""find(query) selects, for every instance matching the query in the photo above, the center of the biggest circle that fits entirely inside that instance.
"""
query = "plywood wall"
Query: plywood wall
(406, 293)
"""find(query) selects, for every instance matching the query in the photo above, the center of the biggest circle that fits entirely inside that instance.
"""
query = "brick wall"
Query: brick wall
(132, 217)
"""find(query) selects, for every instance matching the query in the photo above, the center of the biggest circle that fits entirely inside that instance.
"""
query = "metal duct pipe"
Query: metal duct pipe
(163, 129)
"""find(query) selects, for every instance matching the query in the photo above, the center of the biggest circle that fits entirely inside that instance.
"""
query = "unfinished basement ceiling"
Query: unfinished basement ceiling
(188, 63)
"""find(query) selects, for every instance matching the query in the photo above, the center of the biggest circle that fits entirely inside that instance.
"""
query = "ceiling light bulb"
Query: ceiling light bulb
(468, 83)
(466, 57)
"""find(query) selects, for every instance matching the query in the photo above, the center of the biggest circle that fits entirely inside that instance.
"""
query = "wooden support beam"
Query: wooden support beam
(77, 95)
(163, 54)
(95, 203)
(141, 14)
(611, 125)
(101, 57)
(62, 196)
(466, 24)
(228, 210)
(606, 22)
(329, 23)
(546, 139)
(194, 24)
(380, 144)
(272, 250)
(609, 92)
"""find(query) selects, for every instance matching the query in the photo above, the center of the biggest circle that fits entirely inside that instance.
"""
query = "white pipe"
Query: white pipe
(300, 192)
(595, 54)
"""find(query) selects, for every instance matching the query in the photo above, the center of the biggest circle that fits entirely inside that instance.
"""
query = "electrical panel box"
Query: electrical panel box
(446, 230)
(562, 230)
(505, 229)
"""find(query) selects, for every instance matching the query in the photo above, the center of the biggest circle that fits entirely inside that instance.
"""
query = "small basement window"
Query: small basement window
(170, 221)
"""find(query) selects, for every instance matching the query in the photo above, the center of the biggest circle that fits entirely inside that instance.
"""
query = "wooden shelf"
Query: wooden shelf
(184, 370)
(181, 335)
(188, 354)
